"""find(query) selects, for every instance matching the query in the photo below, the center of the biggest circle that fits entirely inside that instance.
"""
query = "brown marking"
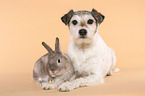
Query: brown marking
(68, 18)
(83, 23)
(98, 16)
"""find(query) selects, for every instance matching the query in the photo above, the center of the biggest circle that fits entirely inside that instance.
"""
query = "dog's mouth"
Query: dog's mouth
(83, 40)
(83, 37)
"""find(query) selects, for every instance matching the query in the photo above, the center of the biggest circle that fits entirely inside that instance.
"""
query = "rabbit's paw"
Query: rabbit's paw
(47, 86)
(65, 87)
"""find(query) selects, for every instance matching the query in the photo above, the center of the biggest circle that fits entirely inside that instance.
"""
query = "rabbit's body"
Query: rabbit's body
(53, 68)
(39, 70)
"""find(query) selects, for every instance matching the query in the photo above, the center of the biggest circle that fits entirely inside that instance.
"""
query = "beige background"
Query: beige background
(24, 24)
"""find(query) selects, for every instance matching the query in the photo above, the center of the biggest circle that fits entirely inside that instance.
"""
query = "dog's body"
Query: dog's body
(91, 57)
(96, 58)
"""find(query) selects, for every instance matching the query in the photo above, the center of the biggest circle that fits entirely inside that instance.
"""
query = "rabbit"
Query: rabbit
(53, 68)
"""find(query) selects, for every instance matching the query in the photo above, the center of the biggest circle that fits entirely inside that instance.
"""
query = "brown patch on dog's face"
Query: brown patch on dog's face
(83, 23)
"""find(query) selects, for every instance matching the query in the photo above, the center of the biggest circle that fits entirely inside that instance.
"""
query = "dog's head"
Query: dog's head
(82, 24)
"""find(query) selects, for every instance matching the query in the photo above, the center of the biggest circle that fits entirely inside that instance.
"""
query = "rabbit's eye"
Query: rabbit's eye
(58, 61)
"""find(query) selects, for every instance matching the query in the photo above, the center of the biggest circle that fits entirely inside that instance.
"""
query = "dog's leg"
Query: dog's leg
(113, 69)
(93, 79)
(47, 86)
(51, 85)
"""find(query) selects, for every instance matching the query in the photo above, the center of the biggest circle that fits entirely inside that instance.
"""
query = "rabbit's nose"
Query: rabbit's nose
(52, 70)
(53, 67)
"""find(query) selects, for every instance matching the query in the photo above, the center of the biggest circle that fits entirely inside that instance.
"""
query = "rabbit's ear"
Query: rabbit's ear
(47, 47)
(57, 45)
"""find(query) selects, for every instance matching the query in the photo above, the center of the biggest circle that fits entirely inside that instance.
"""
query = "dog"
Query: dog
(91, 57)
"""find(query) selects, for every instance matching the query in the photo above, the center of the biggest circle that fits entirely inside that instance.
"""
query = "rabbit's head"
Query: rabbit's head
(56, 60)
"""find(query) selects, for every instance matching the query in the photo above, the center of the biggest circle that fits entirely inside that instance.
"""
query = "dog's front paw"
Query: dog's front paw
(65, 87)
(47, 86)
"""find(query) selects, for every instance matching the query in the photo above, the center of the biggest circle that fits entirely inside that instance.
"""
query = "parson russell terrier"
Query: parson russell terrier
(91, 57)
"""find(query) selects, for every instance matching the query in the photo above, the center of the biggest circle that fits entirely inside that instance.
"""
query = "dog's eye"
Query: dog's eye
(90, 21)
(74, 22)
(58, 61)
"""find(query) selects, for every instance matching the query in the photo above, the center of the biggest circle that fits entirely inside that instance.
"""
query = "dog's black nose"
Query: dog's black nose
(83, 32)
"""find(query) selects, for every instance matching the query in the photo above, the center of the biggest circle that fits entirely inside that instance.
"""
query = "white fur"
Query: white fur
(90, 56)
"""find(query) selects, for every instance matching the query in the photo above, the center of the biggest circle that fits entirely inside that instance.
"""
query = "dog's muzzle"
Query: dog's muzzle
(83, 33)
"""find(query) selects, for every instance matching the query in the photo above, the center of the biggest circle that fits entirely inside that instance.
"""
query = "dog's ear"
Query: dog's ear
(98, 16)
(66, 18)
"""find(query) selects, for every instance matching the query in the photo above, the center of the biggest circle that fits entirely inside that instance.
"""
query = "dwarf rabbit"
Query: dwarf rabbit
(53, 68)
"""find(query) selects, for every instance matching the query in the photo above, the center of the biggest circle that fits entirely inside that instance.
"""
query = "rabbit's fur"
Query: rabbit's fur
(53, 68)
